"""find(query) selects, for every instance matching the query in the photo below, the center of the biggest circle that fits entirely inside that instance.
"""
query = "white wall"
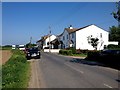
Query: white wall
(52, 50)
(52, 37)
(113, 42)
(81, 37)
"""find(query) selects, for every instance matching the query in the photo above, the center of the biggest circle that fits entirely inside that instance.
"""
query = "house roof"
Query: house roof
(71, 30)
(76, 29)
(39, 40)
(43, 38)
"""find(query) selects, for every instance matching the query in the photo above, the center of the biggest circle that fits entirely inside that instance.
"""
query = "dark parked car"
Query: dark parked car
(110, 53)
(33, 53)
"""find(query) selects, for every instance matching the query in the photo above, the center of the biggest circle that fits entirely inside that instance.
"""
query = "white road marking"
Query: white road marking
(107, 85)
(109, 69)
(74, 68)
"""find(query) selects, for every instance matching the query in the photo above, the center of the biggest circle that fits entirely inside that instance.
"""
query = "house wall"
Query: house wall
(52, 37)
(52, 50)
(81, 37)
(65, 40)
(73, 38)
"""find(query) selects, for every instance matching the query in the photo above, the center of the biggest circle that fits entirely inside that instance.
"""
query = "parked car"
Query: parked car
(109, 53)
(33, 53)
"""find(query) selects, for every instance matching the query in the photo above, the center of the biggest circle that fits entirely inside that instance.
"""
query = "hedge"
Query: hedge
(92, 55)
(66, 52)
(113, 47)
(15, 73)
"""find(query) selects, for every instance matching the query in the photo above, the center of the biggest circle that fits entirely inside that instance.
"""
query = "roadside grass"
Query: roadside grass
(16, 71)
(0, 77)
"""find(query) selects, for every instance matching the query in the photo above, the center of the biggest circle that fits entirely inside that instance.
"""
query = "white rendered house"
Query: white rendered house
(80, 38)
(44, 41)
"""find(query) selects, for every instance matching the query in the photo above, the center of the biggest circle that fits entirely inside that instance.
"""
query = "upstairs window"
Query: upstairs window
(72, 35)
(101, 35)
(67, 36)
(63, 38)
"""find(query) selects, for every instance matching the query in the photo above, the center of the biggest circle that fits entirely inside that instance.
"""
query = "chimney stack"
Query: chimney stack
(71, 27)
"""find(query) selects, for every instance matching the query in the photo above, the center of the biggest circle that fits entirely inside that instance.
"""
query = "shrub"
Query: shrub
(66, 52)
(113, 47)
(73, 50)
(78, 51)
(93, 54)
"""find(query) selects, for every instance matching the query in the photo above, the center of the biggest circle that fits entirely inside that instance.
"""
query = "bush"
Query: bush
(113, 47)
(78, 51)
(93, 54)
(73, 50)
(66, 52)
(15, 73)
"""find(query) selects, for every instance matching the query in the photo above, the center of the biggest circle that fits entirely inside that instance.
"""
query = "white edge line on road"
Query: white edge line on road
(107, 85)
(74, 68)
(109, 69)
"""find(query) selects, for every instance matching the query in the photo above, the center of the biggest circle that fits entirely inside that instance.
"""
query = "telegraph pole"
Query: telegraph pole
(30, 41)
(49, 37)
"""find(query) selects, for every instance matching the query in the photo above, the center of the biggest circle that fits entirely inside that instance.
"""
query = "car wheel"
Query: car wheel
(38, 57)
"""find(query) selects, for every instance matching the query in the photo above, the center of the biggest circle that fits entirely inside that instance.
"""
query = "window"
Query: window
(63, 38)
(101, 35)
(72, 35)
(67, 36)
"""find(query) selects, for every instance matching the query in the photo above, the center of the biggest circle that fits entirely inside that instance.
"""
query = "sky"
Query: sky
(22, 20)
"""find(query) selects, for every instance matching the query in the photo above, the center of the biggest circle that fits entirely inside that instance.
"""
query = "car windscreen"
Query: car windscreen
(33, 50)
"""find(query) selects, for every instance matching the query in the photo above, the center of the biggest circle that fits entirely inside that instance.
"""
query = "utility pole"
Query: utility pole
(30, 41)
(49, 37)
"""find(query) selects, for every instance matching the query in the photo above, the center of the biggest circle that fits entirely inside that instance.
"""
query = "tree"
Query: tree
(116, 14)
(114, 34)
(29, 45)
(93, 41)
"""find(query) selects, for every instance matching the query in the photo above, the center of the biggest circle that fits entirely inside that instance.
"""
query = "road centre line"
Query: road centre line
(107, 85)
(74, 68)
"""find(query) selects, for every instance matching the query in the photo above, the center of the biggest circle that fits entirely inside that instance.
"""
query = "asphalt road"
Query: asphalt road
(57, 71)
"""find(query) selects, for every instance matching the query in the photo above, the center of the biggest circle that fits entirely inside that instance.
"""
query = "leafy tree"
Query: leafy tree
(116, 14)
(29, 45)
(93, 41)
(114, 30)
(114, 34)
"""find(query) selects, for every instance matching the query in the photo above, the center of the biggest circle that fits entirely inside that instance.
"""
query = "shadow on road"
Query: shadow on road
(92, 63)
(84, 61)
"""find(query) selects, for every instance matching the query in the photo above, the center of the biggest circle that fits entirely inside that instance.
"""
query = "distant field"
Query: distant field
(5, 48)
(6, 54)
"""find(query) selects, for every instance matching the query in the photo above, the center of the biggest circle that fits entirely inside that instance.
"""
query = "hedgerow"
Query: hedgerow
(15, 73)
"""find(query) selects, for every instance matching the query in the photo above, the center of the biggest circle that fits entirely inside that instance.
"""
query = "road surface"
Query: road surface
(57, 71)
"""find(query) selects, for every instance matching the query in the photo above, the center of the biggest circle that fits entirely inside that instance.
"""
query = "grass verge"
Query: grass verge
(16, 71)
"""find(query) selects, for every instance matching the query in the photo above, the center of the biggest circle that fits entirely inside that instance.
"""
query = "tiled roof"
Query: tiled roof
(71, 30)
(75, 29)
(43, 38)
